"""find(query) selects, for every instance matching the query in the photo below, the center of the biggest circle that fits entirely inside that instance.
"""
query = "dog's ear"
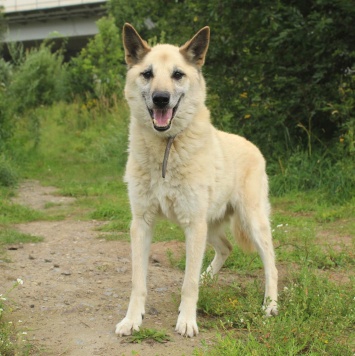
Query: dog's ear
(195, 50)
(135, 48)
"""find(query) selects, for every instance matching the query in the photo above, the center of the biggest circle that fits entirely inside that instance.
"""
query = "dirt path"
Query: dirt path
(76, 287)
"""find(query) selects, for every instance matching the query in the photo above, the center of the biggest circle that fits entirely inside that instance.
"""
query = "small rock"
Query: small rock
(32, 306)
(47, 260)
(31, 257)
(56, 265)
(66, 273)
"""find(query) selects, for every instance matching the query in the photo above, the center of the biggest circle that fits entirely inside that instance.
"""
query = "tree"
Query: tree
(99, 68)
(274, 68)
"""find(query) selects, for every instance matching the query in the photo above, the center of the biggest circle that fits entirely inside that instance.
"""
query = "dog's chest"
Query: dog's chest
(177, 202)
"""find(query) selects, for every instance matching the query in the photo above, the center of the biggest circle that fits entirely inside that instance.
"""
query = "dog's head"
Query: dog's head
(165, 87)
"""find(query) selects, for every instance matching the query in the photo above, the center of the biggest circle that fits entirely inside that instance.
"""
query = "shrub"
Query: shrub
(8, 174)
(273, 68)
(99, 70)
(38, 81)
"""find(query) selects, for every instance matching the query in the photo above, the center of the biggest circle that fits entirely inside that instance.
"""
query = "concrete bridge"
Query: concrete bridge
(31, 21)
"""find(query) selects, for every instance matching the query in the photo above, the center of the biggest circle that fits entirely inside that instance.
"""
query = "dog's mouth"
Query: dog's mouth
(162, 118)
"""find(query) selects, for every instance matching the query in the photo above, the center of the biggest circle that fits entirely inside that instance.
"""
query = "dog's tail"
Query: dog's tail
(241, 235)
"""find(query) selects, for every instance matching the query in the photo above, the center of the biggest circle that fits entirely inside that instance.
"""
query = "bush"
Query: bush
(38, 81)
(8, 174)
(99, 69)
(273, 68)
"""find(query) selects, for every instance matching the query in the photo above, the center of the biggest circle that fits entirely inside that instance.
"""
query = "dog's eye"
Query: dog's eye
(147, 74)
(178, 75)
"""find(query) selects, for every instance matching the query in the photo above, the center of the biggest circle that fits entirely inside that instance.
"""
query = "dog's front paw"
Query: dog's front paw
(127, 326)
(271, 309)
(186, 326)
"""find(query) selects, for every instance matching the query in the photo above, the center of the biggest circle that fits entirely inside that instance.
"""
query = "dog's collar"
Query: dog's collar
(166, 155)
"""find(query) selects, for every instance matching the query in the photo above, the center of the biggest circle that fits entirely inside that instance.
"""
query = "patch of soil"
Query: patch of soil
(77, 287)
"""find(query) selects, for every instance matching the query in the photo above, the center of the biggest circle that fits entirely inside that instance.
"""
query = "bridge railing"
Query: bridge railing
(27, 5)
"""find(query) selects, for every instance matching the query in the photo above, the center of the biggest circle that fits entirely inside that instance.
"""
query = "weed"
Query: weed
(7, 332)
(149, 335)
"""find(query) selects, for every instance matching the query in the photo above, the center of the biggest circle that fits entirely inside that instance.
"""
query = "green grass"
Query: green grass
(148, 335)
(84, 157)
(316, 317)
(11, 236)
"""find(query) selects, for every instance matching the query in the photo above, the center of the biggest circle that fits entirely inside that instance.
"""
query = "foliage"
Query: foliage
(273, 68)
(8, 174)
(99, 71)
(38, 81)
(37, 78)
(333, 178)
(5, 78)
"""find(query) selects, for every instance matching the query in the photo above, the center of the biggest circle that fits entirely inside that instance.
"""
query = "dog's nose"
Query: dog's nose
(161, 98)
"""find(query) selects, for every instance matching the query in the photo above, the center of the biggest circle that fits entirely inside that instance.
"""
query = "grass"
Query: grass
(11, 236)
(314, 239)
(148, 335)
(316, 317)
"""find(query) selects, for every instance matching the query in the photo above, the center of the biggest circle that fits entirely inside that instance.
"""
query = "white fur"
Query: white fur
(212, 178)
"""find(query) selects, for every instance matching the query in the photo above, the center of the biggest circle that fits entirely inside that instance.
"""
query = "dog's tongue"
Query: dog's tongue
(162, 117)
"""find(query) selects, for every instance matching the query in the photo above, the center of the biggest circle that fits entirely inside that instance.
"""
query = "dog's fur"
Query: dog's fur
(212, 177)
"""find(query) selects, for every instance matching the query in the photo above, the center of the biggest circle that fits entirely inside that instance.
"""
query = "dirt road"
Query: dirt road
(76, 287)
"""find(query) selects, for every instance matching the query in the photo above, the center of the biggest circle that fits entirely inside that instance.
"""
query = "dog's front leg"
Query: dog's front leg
(141, 236)
(196, 236)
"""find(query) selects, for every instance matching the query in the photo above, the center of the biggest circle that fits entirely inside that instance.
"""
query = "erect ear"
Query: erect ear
(195, 50)
(135, 48)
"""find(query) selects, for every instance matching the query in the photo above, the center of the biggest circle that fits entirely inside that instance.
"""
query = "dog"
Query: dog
(182, 168)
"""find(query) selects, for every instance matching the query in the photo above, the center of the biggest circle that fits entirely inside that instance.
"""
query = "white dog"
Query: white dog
(212, 177)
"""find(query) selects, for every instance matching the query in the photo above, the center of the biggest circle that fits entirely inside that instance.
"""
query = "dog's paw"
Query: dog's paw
(271, 309)
(127, 326)
(186, 326)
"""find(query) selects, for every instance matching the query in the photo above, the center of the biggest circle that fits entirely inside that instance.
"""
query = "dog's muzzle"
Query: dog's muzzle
(162, 114)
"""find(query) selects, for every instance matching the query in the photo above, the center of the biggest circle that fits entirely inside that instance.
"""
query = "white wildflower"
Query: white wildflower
(19, 281)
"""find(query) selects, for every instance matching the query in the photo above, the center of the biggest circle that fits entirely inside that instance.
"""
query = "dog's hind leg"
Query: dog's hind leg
(141, 236)
(255, 229)
(217, 239)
